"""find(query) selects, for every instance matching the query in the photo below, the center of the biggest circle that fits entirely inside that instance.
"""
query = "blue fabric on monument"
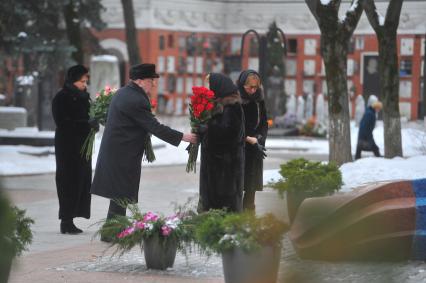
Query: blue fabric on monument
(418, 249)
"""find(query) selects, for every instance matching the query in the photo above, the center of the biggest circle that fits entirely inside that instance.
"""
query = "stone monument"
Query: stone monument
(383, 221)
(300, 112)
(104, 70)
(359, 108)
(309, 108)
(319, 109)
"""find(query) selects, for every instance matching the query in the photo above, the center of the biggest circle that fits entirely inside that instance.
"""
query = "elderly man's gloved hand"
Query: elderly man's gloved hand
(261, 150)
(94, 124)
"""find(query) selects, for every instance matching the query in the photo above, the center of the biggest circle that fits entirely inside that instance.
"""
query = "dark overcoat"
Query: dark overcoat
(366, 127)
(70, 109)
(256, 125)
(222, 157)
(128, 125)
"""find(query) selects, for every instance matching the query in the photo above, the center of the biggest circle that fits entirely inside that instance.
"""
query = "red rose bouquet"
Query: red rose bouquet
(200, 110)
(98, 111)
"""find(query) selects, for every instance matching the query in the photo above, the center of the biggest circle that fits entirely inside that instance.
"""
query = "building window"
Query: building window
(291, 67)
(191, 44)
(182, 43)
(405, 67)
(181, 65)
(309, 67)
(161, 62)
(405, 88)
(170, 41)
(351, 67)
(161, 42)
(170, 64)
(235, 44)
(310, 46)
(290, 87)
(254, 47)
(292, 46)
(407, 45)
(351, 45)
(359, 43)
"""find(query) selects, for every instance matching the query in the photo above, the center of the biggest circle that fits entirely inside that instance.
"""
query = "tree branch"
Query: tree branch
(392, 14)
(372, 15)
(352, 17)
(312, 5)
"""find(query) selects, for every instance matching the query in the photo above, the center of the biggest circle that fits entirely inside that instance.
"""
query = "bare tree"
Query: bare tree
(131, 33)
(335, 36)
(385, 28)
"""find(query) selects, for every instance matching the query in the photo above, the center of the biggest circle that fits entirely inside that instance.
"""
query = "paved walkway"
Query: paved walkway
(54, 257)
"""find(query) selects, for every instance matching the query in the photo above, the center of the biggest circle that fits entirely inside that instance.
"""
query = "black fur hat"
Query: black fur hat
(75, 73)
(143, 71)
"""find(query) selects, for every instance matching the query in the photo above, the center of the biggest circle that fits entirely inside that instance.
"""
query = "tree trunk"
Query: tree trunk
(389, 85)
(424, 84)
(131, 32)
(72, 23)
(334, 52)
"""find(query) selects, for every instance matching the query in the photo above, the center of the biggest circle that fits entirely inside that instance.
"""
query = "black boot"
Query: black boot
(67, 226)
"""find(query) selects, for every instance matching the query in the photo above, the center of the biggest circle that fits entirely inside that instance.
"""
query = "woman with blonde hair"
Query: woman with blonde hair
(256, 129)
(366, 126)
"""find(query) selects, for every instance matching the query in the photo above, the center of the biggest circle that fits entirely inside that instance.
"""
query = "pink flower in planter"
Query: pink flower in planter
(150, 217)
(140, 225)
(126, 232)
(166, 230)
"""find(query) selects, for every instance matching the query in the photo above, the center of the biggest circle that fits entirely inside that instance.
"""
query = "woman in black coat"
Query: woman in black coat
(70, 109)
(256, 129)
(222, 150)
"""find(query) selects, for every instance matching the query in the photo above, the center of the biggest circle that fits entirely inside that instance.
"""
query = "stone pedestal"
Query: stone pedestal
(12, 117)
(104, 70)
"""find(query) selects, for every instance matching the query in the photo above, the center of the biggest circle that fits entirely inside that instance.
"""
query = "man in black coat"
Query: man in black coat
(365, 135)
(129, 123)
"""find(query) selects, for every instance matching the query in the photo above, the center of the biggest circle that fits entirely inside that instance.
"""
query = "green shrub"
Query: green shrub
(313, 178)
(15, 231)
(217, 232)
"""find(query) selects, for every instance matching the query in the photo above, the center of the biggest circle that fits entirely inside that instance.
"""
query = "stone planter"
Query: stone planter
(5, 267)
(257, 267)
(159, 254)
(294, 199)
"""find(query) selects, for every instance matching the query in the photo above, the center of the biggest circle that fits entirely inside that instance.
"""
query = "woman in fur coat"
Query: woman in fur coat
(222, 149)
(70, 109)
(256, 129)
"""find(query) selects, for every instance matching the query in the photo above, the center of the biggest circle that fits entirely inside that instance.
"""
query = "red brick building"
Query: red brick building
(189, 39)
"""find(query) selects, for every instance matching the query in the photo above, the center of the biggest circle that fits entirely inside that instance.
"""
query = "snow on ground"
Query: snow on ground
(21, 160)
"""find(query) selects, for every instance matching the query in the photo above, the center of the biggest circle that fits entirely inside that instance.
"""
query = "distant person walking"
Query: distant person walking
(70, 109)
(256, 130)
(130, 123)
(368, 122)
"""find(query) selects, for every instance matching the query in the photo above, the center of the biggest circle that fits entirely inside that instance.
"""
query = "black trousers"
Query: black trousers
(364, 146)
(248, 200)
(115, 209)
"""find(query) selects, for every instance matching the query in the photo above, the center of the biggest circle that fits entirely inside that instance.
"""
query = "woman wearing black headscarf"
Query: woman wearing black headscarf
(222, 149)
(70, 109)
(256, 127)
